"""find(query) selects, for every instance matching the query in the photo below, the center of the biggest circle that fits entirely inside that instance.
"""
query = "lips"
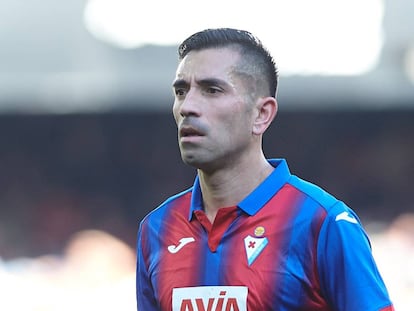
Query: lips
(186, 131)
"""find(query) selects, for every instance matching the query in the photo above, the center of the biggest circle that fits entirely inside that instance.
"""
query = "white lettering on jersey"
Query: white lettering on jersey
(210, 298)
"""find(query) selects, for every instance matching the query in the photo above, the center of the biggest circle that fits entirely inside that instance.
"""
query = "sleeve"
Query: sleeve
(144, 291)
(349, 276)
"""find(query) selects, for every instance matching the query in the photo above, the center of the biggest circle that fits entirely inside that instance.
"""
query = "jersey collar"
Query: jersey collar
(258, 197)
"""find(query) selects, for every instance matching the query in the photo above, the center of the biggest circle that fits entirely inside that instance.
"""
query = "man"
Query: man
(248, 235)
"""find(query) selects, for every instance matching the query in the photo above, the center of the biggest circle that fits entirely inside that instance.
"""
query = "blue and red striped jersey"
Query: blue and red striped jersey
(289, 245)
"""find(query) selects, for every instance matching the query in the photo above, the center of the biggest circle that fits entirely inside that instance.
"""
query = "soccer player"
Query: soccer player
(248, 235)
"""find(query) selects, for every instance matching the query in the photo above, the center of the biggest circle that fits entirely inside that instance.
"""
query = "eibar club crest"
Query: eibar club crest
(254, 246)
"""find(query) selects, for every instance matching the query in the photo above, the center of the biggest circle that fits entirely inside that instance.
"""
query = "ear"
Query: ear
(266, 112)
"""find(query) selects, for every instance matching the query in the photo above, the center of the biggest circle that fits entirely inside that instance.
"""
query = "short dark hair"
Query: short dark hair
(248, 44)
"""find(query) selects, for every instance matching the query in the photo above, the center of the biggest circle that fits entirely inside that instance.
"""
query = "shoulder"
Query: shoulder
(314, 192)
(177, 202)
(334, 209)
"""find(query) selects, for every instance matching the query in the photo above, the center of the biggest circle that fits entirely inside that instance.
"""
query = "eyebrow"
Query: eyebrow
(179, 83)
(211, 81)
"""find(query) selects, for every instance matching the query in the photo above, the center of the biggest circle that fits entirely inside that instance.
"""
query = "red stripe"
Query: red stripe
(274, 217)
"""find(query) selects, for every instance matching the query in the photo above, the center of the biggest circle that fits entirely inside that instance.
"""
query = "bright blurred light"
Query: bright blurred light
(97, 272)
(330, 37)
(409, 64)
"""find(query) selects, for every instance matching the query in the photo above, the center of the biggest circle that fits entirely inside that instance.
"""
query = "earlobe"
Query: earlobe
(266, 112)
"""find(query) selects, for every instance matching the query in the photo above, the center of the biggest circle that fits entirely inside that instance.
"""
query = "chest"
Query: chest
(271, 257)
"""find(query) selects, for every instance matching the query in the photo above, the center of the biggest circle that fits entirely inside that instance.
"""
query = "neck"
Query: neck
(230, 185)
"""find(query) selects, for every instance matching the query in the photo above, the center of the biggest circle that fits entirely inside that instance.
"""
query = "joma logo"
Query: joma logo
(210, 298)
(222, 304)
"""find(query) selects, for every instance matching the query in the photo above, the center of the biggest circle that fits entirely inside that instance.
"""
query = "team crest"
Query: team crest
(254, 246)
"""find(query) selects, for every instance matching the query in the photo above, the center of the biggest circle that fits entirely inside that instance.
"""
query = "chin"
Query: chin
(193, 160)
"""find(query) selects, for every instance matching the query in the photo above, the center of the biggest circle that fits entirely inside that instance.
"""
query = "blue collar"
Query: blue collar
(258, 197)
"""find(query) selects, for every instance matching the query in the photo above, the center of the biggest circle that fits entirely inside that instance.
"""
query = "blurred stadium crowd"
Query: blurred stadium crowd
(74, 187)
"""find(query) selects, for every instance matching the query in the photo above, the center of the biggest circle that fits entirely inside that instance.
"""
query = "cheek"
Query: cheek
(240, 122)
(238, 127)
(175, 111)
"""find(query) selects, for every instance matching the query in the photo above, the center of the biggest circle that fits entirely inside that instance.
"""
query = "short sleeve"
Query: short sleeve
(349, 276)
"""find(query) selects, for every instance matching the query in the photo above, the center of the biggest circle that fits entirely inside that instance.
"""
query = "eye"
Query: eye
(213, 90)
(179, 92)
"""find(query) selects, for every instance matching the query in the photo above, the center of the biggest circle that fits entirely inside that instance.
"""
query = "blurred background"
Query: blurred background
(88, 143)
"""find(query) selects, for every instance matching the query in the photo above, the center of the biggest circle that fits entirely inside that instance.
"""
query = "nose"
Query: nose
(189, 105)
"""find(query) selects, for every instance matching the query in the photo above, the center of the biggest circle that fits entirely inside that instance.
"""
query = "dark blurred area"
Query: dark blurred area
(64, 173)
(88, 142)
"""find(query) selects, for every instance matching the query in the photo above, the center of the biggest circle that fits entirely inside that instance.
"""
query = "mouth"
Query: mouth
(189, 131)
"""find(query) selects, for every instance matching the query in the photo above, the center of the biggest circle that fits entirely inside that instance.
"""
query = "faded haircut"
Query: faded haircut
(256, 59)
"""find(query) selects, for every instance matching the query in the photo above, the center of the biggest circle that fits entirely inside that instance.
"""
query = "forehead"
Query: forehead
(214, 62)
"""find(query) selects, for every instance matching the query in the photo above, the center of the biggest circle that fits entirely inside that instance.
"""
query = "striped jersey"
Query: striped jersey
(288, 246)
